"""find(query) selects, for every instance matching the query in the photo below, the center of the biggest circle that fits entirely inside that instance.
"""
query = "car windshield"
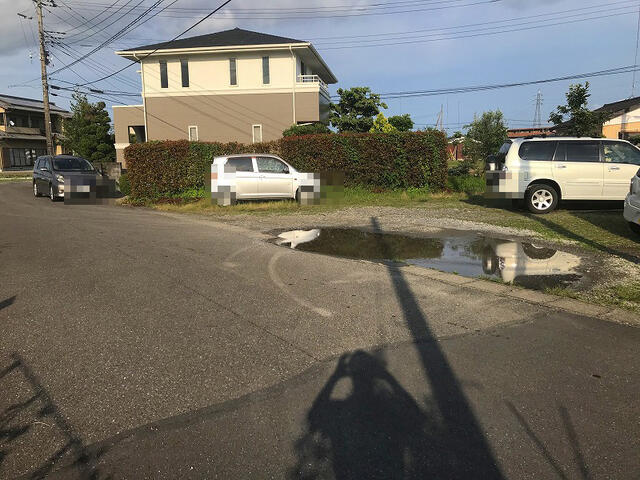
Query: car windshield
(67, 164)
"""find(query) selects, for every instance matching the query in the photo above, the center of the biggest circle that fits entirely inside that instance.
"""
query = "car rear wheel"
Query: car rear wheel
(635, 228)
(36, 193)
(541, 198)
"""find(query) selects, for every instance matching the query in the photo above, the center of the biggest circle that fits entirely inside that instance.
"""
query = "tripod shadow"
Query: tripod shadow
(66, 453)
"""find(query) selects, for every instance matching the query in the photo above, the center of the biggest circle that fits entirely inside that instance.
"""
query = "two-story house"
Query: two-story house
(234, 85)
(22, 136)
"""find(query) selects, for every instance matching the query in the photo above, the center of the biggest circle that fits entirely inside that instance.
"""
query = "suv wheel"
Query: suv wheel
(541, 198)
(36, 193)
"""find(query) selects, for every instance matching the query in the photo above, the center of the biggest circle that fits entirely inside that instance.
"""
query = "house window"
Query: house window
(184, 69)
(303, 68)
(164, 79)
(233, 79)
(257, 133)
(265, 71)
(193, 133)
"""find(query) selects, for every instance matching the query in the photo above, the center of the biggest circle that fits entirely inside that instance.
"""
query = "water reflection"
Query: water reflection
(514, 262)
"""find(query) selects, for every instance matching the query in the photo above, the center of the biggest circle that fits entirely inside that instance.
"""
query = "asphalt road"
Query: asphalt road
(135, 344)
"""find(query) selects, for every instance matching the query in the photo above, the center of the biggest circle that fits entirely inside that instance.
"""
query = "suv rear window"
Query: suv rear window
(539, 150)
(242, 164)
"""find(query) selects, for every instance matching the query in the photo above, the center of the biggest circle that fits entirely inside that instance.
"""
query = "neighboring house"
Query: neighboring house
(530, 132)
(22, 136)
(234, 85)
(624, 119)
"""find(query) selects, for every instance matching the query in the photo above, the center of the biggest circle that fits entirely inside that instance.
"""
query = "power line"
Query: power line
(150, 53)
(456, 36)
(476, 88)
(340, 13)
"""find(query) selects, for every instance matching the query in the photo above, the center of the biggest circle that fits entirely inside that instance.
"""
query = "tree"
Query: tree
(87, 132)
(581, 121)
(355, 110)
(403, 123)
(485, 135)
(308, 129)
(381, 125)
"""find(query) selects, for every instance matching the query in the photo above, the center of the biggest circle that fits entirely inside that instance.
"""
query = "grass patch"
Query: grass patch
(466, 183)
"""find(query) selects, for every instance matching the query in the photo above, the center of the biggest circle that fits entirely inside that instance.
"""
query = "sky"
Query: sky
(387, 45)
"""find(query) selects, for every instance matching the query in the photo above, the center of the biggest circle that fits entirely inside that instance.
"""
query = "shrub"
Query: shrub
(123, 183)
(308, 129)
(400, 160)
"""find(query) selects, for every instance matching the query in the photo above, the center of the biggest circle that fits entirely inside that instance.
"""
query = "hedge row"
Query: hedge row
(410, 159)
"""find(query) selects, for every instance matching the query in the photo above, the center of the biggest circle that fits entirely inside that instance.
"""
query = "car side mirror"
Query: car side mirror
(286, 169)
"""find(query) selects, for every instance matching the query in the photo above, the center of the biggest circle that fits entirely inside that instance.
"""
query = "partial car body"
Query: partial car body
(632, 204)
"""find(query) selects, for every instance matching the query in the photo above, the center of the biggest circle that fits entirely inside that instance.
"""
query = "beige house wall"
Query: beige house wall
(123, 118)
(612, 130)
(227, 118)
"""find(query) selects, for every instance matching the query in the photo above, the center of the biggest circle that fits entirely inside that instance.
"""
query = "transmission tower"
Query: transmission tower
(537, 117)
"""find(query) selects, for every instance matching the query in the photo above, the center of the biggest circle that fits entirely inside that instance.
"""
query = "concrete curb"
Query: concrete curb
(610, 314)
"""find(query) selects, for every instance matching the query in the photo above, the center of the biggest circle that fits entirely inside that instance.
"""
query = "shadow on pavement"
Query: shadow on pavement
(59, 448)
(5, 303)
(378, 431)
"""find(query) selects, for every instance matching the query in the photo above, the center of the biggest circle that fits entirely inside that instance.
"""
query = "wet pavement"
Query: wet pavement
(467, 254)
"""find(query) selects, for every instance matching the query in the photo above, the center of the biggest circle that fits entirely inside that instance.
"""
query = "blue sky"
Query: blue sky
(607, 40)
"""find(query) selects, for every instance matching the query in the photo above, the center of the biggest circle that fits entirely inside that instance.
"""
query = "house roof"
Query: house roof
(226, 38)
(237, 38)
(620, 106)
(21, 103)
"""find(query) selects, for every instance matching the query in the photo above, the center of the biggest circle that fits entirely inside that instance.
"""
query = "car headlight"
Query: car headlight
(60, 178)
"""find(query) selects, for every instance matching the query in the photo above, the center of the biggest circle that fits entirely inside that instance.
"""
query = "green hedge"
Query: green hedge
(399, 160)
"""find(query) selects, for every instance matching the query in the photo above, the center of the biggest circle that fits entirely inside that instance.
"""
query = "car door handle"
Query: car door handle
(561, 166)
(614, 168)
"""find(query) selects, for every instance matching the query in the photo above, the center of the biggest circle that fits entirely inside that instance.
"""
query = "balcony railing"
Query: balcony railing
(23, 130)
(312, 79)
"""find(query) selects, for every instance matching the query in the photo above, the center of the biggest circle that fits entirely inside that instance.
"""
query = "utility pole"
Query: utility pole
(537, 117)
(45, 83)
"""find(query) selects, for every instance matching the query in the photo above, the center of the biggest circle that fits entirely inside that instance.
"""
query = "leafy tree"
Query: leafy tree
(635, 139)
(87, 132)
(403, 123)
(309, 129)
(485, 135)
(574, 118)
(355, 110)
(382, 125)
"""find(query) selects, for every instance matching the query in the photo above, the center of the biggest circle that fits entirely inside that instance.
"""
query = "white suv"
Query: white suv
(544, 170)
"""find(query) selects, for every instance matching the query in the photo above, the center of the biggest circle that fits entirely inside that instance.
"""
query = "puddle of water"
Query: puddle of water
(510, 261)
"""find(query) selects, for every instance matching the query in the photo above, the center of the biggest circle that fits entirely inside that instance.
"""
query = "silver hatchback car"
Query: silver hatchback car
(52, 174)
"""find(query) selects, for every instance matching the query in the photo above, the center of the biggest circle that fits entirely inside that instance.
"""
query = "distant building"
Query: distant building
(236, 85)
(22, 136)
(625, 120)
(530, 132)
